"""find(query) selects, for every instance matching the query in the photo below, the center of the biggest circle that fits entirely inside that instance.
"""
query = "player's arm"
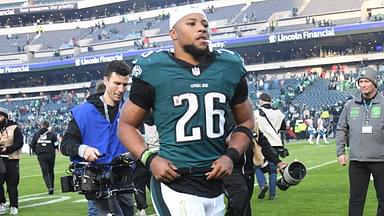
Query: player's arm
(132, 116)
(342, 136)
(241, 136)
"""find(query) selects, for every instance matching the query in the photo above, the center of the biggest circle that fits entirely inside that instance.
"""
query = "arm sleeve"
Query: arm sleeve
(141, 94)
(17, 141)
(71, 140)
(342, 133)
(267, 150)
(283, 126)
(54, 139)
(34, 141)
(241, 93)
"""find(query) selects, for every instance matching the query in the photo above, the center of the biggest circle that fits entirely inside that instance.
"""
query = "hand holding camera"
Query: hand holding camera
(292, 175)
(91, 154)
(98, 181)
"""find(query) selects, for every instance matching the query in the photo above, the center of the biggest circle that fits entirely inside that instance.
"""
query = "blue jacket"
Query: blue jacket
(97, 132)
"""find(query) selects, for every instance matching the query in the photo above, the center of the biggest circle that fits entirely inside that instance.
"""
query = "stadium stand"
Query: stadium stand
(328, 6)
(123, 34)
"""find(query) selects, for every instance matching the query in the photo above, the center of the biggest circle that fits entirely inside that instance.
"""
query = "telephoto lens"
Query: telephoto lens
(292, 175)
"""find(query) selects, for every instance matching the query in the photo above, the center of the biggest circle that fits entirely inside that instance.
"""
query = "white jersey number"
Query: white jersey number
(210, 114)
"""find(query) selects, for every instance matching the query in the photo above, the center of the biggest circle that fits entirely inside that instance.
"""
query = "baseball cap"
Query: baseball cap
(265, 97)
(182, 12)
(368, 73)
(4, 111)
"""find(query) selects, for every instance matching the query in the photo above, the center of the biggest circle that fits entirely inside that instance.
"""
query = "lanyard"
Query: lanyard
(367, 110)
(105, 109)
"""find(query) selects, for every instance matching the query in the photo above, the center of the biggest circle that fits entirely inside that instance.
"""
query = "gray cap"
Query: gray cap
(4, 112)
(368, 73)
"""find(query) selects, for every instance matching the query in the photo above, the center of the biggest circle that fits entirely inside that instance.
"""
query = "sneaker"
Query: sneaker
(141, 213)
(13, 211)
(50, 191)
(262, 192)
(3, 208)
(272, 197)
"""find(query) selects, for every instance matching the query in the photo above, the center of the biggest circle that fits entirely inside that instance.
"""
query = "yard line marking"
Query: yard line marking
(40, 175)
(321, 165)
(50, 200)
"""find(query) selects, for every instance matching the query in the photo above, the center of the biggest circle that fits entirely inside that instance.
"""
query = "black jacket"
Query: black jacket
(43, 142)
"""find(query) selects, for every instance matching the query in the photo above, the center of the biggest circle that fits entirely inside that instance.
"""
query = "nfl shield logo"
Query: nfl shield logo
(196, 71)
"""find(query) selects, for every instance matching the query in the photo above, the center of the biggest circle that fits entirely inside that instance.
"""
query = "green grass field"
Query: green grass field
(324, 191)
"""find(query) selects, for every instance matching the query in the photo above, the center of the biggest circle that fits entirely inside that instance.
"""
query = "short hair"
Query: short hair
(119, 67)
(45, 123)
(100, 87)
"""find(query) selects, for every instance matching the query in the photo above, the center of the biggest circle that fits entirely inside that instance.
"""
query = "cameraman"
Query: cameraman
(92, 133)
(271, 122)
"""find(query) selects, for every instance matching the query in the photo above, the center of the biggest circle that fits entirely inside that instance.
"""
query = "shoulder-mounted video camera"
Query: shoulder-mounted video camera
(98, 181)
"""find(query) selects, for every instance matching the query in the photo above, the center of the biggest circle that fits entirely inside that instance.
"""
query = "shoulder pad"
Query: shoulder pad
(146, 60)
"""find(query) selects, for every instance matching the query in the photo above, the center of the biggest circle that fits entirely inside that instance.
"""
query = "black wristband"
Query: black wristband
(149, 159)
(245, 130)
(233, 154)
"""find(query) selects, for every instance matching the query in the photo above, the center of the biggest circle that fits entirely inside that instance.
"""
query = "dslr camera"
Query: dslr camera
(282, 151)
(97, 181)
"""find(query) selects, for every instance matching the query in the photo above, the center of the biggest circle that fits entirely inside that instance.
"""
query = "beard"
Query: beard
(195, 52)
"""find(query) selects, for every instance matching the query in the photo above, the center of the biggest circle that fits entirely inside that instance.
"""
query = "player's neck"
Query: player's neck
(186, 57)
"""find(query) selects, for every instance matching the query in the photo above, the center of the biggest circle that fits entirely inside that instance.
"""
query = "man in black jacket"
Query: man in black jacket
(11, 142)
(239, 185)
(43, 145)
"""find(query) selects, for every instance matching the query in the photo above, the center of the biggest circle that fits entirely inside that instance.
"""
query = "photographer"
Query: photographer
(11, 142)
(239, 185)
(91, 135)
(271, 122)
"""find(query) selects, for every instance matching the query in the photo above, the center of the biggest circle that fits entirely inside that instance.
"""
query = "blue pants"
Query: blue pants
(92, 211)
(261, 181)
(121, 204)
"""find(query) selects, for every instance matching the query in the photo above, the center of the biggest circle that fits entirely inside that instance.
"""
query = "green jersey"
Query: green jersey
(191, 106)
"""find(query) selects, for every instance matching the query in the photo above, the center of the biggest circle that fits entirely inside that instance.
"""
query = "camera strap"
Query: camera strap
(263, 114)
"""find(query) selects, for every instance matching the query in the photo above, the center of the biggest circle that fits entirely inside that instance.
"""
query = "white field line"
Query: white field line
(311, 168)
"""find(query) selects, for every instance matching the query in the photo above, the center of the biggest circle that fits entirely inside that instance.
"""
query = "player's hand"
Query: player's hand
(343, 159)
(91, 154)
(221, 167)
(163, 170)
